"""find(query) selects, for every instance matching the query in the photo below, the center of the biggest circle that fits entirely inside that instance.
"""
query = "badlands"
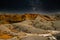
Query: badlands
(29, 27)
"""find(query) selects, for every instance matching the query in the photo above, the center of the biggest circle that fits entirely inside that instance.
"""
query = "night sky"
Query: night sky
(27, 5)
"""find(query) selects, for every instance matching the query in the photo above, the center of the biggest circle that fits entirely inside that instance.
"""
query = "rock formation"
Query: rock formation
(28, 27)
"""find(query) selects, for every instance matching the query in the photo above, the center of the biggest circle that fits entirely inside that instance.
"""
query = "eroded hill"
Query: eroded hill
(28, 27)
(14, 18)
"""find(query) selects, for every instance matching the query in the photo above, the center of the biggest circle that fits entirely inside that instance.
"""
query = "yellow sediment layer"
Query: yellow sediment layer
(11, 18)
(5, 36)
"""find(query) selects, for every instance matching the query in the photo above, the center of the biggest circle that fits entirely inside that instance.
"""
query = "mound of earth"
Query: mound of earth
(14, 18)
(29, 27)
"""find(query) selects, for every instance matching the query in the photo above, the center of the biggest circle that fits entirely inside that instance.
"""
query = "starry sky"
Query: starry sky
(28, 5)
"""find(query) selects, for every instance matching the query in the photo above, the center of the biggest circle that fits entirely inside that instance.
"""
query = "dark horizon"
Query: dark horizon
(28, 5)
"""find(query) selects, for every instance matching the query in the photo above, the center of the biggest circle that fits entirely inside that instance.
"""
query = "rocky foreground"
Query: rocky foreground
(29, 27)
